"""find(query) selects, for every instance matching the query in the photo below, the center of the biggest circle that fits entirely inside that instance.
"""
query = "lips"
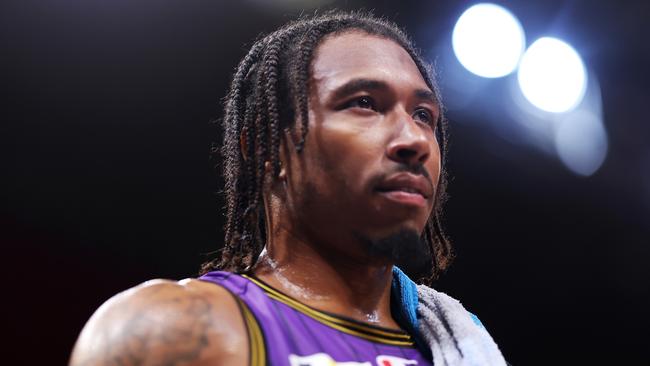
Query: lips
(409, 183)
(406, 188)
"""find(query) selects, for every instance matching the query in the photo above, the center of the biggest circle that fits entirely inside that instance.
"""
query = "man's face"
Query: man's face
(371, 161)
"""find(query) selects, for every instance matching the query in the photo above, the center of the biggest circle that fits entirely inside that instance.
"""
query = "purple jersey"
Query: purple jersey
(285, 332)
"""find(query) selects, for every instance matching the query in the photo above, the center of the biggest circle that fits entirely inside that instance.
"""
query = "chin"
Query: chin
(387, 229)
(402, 247)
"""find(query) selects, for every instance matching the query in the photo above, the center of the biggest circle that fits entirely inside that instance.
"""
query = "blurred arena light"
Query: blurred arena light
(552, 75)
(578, 137)
(581, 142)
(488, 40)
(554, 104)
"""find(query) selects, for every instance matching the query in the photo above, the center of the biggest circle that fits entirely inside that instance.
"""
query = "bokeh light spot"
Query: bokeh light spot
(552, 75)
(581, 143)
(488, 40)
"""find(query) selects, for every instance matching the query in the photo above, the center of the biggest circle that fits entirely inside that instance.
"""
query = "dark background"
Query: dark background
(107, 183)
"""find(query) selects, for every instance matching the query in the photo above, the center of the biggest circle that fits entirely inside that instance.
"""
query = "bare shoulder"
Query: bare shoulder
(163, 322)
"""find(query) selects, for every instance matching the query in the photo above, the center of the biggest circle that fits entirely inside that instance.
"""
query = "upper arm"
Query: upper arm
(165, 323)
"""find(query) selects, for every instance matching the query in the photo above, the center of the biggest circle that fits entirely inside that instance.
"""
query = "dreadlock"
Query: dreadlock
(269, 94)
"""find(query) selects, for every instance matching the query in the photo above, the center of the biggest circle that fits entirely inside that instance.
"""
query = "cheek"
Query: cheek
(348, 156)
(434, 165)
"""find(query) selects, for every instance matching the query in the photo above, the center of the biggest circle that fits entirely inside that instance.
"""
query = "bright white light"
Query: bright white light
(552, 76)
(488, 40)
(581, 143)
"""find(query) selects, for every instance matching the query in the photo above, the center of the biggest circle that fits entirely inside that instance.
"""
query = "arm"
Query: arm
(165, 323)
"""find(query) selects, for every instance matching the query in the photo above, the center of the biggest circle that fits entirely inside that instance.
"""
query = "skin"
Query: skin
(318, 209)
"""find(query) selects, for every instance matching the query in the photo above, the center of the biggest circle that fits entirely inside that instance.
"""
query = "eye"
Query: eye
(423, 115)
(364, 102)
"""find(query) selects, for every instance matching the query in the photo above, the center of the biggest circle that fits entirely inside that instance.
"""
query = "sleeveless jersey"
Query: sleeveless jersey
(285, 332)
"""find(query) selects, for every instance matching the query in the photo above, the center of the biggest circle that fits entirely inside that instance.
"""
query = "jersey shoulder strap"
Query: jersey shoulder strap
(247, 296)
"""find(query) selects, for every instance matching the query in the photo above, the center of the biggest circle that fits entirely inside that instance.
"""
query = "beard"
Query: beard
(405, 249)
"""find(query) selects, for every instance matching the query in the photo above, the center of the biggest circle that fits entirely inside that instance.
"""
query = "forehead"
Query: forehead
(356, 54)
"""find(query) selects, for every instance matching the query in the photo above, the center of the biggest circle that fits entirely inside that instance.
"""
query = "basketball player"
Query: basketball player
(334, 143)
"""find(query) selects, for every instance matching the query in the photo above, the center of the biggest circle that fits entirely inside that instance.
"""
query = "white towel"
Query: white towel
(454, 336)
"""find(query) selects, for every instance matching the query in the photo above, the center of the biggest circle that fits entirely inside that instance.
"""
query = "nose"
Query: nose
(410, 145)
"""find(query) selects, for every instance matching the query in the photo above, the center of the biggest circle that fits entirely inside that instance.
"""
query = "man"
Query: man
(333, 149)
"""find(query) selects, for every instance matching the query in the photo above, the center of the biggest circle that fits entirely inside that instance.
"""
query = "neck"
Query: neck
(320, 277)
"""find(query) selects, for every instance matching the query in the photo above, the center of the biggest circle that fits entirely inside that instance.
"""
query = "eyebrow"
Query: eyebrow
(427, 96)
(356, 85)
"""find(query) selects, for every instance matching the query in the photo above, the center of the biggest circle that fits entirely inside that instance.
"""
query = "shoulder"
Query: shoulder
(165, 322)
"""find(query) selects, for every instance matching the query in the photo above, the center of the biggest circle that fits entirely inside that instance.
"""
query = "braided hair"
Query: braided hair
(269, 94)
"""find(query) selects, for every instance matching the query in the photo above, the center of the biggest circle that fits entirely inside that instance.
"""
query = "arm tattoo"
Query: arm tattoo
(173, 333)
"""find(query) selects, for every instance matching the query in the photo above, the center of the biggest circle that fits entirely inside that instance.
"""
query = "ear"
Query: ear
(282, 175)
(283, 156)
(243, 143)
(283, 172)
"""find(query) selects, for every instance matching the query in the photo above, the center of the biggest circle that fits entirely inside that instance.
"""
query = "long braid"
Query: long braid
(233, 110)
(302, 72)
(271, 61)
(257, 160)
